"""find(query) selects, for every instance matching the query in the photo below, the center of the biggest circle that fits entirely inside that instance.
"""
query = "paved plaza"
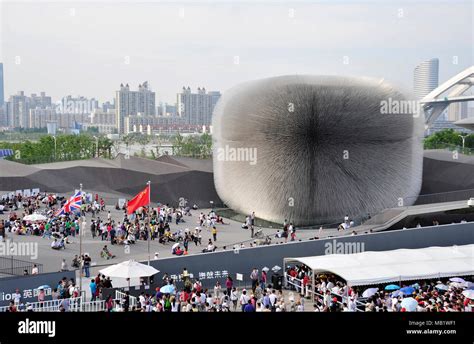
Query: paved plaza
(228, 235)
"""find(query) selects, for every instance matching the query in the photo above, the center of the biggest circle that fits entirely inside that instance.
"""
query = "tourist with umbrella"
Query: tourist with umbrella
(392, 287)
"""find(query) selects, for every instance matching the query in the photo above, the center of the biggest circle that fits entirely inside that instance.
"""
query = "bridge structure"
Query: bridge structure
(451, 91)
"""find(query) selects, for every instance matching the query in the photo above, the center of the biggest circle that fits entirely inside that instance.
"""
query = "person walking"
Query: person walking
(214, 233)
(229, 283)
(93, 229)
(64, 266)
(93, 287)
(263, 279)
(87, 265)
(244, 300)
(254, 278)
(234, 297)
(112, 236)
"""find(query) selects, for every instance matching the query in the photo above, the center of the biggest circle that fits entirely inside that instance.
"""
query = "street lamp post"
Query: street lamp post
(97, 145)
(55, 147)
(82, 230)
(148, 220)
(463, 137)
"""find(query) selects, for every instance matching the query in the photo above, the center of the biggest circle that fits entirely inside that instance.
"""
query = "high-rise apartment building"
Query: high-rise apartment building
(19, 105)
(425, 78)
(196, 108)
(2, 92)
(130, 103)
(18, 111)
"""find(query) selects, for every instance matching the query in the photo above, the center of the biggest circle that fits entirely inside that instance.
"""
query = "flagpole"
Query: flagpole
(81, 229)
(148, 217)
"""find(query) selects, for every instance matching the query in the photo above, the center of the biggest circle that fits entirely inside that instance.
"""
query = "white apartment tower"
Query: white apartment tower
(131, 103)
(425, 77)
(196, 108)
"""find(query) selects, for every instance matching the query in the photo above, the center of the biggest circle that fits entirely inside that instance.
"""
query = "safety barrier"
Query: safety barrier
(119, 295)
(93, 306)
(298, 285)
(76, 304)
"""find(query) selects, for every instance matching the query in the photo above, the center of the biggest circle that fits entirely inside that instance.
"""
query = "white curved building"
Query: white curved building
(426, 77)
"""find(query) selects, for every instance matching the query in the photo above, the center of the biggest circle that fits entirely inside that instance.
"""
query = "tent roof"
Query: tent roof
(129, 269)
(368, 268)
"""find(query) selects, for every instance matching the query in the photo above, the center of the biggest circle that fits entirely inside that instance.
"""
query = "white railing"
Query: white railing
(119, 295)
(295, 282)
(75, 304)
(93, 306)
(44, 306)
(47, 306)
(298, 284)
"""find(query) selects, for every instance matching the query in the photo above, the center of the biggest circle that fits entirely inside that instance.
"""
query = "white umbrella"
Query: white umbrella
(265, 269)
(456, 284)
(276, 268)
(129, 269)
(35, 217)
(442, 287)
(457, 280)
(409, 304)
(370, 292)
(469, 293)
(175, 245)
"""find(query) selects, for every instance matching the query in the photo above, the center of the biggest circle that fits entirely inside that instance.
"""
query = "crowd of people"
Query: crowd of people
(333, 295)
(147, 223)
(261, 296)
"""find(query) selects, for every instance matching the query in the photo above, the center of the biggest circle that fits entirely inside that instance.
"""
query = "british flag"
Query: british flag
(72, 205)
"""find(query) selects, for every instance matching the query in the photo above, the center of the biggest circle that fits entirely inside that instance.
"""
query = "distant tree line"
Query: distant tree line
(449, 138)
(193, 146)
(68, 147)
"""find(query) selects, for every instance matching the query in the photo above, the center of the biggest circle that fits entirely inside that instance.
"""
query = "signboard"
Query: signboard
(239, 277)
(26, 193)
(121, 202)
(27, 286)
(35, 192)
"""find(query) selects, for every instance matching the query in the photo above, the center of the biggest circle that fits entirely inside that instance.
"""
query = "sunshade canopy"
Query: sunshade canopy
(368, 268)
(129, 269)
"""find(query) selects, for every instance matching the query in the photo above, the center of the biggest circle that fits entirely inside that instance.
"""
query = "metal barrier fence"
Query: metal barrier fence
(307, 292)
(93, 306)
(16, 267)
(119, 295)
(76, 304)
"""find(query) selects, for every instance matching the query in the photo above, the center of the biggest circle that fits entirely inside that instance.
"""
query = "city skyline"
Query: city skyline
(92, 58)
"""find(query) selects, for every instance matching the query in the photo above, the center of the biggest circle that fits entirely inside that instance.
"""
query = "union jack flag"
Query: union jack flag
(72, 205)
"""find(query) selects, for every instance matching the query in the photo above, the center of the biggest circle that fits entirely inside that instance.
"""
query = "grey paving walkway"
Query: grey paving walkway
(228, 235)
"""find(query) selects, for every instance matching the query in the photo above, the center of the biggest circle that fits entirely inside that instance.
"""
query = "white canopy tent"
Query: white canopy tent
(368, 268)
(130, 270)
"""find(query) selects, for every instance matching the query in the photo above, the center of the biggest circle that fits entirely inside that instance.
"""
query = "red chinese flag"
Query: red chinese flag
(140, 200)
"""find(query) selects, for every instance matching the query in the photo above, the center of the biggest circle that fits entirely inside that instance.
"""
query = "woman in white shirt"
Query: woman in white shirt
(174, 304)
(234, 297)
(217, 289)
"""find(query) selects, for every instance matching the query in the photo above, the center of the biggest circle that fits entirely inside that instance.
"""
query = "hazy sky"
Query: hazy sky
(71, 47)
